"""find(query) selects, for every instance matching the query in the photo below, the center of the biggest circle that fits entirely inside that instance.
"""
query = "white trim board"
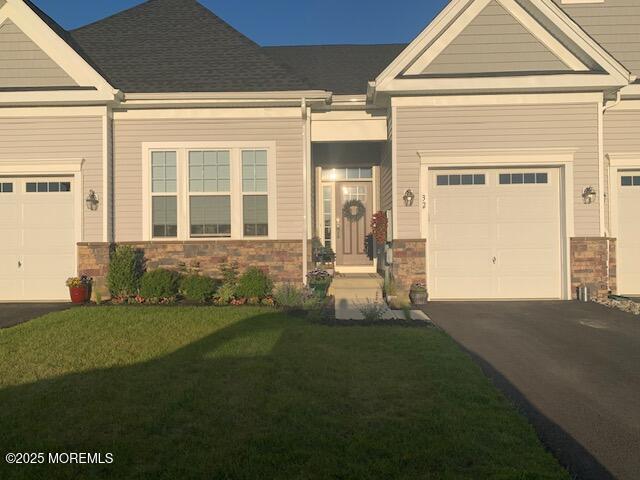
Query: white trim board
(562, 158)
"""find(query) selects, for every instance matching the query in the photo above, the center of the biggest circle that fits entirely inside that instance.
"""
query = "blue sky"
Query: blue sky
(282, 22)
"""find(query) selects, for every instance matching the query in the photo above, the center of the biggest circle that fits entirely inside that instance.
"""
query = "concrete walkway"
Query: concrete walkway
(352, 291)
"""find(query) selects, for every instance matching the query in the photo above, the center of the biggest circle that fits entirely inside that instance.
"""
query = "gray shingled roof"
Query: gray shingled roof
(341, 69)
(180, 46)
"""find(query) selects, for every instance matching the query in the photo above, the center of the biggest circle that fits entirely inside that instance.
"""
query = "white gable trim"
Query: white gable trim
(518, 13)
(55, 47)
(459, 13)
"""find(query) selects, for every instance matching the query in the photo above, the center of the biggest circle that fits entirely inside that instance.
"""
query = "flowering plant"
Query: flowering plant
(77, 282)
(318, 276)
(379, 223)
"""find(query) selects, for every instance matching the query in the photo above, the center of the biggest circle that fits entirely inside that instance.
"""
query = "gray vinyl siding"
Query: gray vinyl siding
(129, 135)
(494, 42)
(615, 24)
(497, 127)
(50, 139)
(24, 64)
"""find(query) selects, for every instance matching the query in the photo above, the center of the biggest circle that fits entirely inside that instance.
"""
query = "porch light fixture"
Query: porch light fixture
(589, 195)
(408, 198)
(92, 201)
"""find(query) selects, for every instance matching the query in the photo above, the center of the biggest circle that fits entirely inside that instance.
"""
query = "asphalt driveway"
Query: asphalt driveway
(12, 314)
(572, 368)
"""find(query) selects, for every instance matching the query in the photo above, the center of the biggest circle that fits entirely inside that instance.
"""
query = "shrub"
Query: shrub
(373, 310)
(159, 286)
(197, 288)
(291, 297)
(125, 270)
(230, 273)
(288, 295)
(254, 283)
(225, 294)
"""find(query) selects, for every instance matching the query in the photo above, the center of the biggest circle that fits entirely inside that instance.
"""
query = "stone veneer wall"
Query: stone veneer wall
(281, 259)
(409, 263)
(589, 265)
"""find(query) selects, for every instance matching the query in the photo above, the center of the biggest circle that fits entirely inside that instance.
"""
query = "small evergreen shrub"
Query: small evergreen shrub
(254, 283)
(125, 270)
(159, 286)
(197, 288)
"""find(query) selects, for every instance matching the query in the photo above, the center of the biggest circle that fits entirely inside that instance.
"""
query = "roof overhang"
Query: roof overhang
(224, 99)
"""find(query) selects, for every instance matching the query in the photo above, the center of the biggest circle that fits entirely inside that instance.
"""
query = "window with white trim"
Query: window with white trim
(255, 200)
(212, 190)
(210, 193)
(164, 198)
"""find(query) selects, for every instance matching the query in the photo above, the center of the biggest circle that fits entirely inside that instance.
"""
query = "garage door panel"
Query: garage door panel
(468, 261)
(516, 208)
(37, 252)
(534, 235)
(536, 261)
(505, 240)
(521, 286)
(460, 210)
(628, 245)
(454, 234)
(466, 287)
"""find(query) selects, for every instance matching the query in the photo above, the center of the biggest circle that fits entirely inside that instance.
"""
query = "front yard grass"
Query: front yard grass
(250, 393)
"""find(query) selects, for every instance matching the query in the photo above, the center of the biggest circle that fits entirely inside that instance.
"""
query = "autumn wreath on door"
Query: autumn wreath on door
(353, 210)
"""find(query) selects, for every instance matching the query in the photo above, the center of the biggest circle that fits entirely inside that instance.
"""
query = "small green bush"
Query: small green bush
(289, 295)
(159, 286)
(225, 294)
(197, 288)
(125, 270)
(254, 283)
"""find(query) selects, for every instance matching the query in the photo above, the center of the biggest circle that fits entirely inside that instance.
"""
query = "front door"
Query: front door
(351, 231)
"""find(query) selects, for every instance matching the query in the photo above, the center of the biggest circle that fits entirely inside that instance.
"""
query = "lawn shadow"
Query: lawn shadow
(224, 406)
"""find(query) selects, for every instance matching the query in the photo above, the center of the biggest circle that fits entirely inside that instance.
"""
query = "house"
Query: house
(503, 143)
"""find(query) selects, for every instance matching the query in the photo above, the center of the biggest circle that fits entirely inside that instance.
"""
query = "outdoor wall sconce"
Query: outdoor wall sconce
(408, 198)
(92, 201)
(588, 195)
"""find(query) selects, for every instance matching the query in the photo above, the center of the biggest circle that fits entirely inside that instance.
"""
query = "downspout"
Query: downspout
(305, 174)
(606, 107)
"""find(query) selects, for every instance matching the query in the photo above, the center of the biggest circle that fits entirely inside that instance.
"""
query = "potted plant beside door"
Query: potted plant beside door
(79, 289)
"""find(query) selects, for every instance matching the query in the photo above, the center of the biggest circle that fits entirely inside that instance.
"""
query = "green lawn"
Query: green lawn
(213, 393)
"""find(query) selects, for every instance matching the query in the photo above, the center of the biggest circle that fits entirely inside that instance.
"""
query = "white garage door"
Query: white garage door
(495, 234)
(37, 253)
(628, 233)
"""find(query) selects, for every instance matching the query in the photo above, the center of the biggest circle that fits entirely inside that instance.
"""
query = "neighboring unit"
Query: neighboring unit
(501, 142)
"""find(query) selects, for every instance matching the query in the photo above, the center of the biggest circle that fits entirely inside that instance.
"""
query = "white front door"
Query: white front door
(495, 234)
(37, 227)
(628, 260)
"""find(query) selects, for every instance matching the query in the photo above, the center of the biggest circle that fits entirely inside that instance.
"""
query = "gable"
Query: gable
(614, 24)
(24, 64)
(499, 46)
(494, 42)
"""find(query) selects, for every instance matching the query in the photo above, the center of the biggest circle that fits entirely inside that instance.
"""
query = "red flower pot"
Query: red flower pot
(78, 294)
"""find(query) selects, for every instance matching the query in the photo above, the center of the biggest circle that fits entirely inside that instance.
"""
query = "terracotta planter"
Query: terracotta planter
(79, 295)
